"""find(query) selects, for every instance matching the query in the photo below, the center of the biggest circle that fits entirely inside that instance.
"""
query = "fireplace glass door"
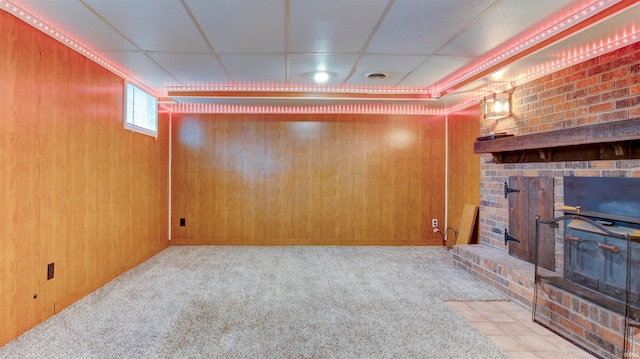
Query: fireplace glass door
(593, 299)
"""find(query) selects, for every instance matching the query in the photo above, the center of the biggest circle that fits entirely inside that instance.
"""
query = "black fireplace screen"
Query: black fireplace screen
(601, 270)
(597, 266)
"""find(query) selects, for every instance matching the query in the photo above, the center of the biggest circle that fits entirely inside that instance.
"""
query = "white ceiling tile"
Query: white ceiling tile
(140, 66)
(333, 25)
(255, 68)
(520, 16)
(502, 23)
(159, 25)
(425, 75)
(303, 66)
(242, 26)
(396, 67)
(422, 27)
(192, 69)
(77, 22)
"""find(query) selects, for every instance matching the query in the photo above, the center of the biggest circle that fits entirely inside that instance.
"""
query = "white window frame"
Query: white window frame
(140, 111)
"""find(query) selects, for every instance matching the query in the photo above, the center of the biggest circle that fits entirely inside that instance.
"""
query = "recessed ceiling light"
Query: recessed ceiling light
(321, 77)
(376, 75)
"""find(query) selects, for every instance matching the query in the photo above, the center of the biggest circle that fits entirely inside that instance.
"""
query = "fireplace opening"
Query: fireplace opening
(601, 243)
(600, 262)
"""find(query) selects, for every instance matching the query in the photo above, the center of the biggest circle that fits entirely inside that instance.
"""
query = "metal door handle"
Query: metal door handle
(608, 247)
(571, 238)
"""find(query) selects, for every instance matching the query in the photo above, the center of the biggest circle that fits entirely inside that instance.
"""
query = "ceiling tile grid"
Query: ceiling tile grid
(255, 69)
(159, 25)
(420, 45)
(333, 26)
(504, 21)
(417, 27)
(241, 26)
(191, 69)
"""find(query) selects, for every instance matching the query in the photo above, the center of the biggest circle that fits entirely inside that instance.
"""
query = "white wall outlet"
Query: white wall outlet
(434, 222)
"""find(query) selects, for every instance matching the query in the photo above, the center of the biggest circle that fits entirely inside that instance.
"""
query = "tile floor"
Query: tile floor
(512, 330)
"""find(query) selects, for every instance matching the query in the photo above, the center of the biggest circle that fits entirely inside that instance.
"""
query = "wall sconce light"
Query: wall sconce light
(497, 106)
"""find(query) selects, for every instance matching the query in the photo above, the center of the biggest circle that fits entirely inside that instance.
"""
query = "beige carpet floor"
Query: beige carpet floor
(272, 302)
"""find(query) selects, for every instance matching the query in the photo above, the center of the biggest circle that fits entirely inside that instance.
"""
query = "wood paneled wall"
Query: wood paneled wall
(76, 189)
(464, 166)
(307, 179)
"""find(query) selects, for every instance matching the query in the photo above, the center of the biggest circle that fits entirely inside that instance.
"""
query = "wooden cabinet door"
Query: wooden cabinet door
(535, 198)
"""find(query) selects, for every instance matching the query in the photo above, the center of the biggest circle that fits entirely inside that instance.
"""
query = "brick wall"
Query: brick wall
(603, 89)
(600, 90)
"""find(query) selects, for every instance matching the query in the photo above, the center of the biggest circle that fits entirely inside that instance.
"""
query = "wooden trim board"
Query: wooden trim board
(467, 224)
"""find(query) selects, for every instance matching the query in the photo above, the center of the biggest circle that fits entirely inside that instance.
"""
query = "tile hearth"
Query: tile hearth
(595, 328)
(510, 327)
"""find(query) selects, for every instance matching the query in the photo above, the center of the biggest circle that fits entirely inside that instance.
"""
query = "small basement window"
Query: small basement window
(141, 111)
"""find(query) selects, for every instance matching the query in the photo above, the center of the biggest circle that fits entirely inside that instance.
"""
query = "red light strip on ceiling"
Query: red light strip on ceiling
(574, 56)
(579, 54)
(38, 24)
(533, 42)
(374, 109)
(280, 87)
(258, 94)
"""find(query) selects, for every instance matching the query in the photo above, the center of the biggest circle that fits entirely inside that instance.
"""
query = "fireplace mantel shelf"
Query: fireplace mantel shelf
(602, 141)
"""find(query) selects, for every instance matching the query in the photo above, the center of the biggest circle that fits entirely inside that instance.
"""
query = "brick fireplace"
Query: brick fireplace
(599, 92)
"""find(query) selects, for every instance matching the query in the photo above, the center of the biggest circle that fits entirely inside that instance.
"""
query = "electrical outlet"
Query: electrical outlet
(50, 269)
(434, 222)
(183, 222)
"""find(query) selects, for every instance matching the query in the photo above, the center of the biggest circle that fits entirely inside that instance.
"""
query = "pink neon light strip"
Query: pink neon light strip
(331, 109)
(572, 57)
(579, 54)
(38, 24)
(275, 87)
(533, 40)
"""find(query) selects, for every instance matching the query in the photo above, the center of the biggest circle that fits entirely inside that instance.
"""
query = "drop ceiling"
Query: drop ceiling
(260, 55)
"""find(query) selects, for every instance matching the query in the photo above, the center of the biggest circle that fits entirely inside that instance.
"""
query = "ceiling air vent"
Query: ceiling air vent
(376, 75)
